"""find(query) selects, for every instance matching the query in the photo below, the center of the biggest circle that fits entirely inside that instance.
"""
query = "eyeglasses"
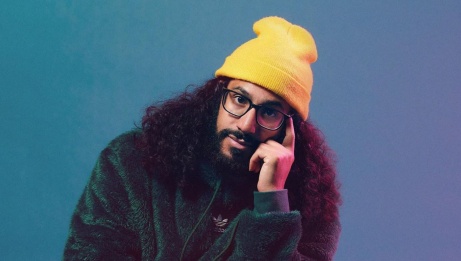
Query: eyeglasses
(267, 117)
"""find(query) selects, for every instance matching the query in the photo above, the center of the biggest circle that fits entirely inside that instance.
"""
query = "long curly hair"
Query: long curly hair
(174, 134)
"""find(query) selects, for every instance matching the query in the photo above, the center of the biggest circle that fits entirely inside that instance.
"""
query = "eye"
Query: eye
(239, 99)
(268, 112)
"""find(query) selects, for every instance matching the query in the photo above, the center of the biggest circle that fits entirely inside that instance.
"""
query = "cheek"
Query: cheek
(222, 120)
(272, 135)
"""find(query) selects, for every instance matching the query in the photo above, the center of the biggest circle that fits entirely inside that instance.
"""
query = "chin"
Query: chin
(237, 155)
(225, 152)
(240, 155)
(232, 158)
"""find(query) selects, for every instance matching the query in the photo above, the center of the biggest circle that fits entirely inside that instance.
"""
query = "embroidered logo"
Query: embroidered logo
(220, 224)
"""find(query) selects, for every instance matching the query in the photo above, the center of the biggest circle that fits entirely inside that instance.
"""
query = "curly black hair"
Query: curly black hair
(173, 135)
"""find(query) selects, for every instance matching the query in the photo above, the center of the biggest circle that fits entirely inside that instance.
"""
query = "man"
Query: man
(230, 171)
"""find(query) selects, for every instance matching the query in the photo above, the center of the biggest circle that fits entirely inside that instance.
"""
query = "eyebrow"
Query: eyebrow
(265, 103)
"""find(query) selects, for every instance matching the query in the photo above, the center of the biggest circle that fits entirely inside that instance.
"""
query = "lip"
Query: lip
(238, 143)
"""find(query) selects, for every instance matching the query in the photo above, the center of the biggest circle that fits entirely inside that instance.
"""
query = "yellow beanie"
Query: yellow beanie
(278, 59)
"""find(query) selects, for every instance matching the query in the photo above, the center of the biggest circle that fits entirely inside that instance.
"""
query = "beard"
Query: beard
(238, 158)
(233, 167)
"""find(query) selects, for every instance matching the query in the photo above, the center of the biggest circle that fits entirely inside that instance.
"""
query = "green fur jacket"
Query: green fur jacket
(125, 213)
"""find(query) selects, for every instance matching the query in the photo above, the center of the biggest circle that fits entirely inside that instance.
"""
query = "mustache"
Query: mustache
(239, 135)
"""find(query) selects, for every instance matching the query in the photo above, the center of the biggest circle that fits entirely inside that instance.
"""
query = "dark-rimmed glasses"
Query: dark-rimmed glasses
(238, 105)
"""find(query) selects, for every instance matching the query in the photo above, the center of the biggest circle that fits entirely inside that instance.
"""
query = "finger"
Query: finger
(289, 140)
(259, 156)
(255, 162)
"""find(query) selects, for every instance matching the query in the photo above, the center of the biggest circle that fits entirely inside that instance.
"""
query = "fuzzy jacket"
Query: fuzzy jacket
(126, 213)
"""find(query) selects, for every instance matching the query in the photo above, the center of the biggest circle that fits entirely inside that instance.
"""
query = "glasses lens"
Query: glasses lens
(235, 103)
(269, 117)
(238, 105)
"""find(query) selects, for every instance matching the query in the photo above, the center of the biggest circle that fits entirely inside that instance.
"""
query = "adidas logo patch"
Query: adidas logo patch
(220, 223)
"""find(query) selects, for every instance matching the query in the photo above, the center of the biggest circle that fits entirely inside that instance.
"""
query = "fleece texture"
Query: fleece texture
(126, 213)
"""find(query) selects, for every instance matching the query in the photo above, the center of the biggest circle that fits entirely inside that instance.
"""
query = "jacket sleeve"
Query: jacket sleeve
(103, 226)
(275, 235)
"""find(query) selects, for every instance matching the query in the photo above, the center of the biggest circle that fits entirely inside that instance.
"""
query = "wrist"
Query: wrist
(274, 201)
(269, 187)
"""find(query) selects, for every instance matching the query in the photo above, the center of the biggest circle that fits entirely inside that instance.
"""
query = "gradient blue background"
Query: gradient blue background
(75, 74)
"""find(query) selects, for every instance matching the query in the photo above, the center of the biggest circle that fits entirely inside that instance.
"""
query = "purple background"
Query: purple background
(75, 74)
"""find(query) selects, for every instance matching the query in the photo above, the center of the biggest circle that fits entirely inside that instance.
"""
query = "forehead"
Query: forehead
(257, 94)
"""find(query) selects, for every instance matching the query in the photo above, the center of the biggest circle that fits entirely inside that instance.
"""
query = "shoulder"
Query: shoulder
(121, 163)
(125, 143)
(124, 150)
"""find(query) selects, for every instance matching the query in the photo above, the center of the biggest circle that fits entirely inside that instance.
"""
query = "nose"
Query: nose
(247, 123)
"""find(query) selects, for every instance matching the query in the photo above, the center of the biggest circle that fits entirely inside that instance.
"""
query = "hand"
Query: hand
(273, 161)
